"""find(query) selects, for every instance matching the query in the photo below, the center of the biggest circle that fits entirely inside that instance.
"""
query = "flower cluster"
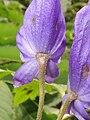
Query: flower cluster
(43, 35)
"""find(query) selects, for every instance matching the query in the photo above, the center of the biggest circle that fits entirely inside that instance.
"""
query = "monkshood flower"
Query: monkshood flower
(42, 35)
(78, 97)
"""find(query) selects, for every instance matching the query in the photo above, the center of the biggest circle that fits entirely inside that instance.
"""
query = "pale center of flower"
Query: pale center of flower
(42, 57)
(72, 95)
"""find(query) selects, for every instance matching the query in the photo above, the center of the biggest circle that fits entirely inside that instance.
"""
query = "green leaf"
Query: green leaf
(7, 112)
(15, 5)
(11, 66)
(12, 53)
(21, 113)
(52, 117)
(65, 55)
(63, 66)
(4, 74)
(15, 16)
(31, 91)
(11, 11)
(54, 99)
(51, 101)
(60, 88)
(65, 4)
(25, 92)
(49, 87)
(6, 98)
(69, 117)
(6, 34)
(48, 117)
(3, 10)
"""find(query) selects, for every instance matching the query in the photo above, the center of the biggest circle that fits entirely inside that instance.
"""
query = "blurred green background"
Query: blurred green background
(21, 103)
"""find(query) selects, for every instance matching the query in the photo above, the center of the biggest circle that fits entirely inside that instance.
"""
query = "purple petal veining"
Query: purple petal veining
(43, 31)
(79, 65)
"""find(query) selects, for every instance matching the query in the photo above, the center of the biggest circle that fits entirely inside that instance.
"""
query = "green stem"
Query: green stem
(63, 109)
(71, 96)
(42, 60)
(42, 94)
(3, 61)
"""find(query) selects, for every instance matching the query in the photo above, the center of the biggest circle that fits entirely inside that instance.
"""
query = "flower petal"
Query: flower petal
(25, 73)
(69, 108)
(60, 36)
(44, 22)
(24, 57)
(49, 79)
(89, 2)
(77, 114)
(84, 90)
(86, 104)
(85, 98)
(56, 56)
(23, 45)
(52, 71)
(81, 110)
(81, 47)
(68, 85)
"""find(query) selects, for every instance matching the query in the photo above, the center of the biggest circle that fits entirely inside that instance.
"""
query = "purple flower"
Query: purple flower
(89, 2)
(79, 66)
(43, 31)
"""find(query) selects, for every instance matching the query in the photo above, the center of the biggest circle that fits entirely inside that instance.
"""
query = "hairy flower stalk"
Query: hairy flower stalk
(71, 96)
(63, 109)
(42, 60)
